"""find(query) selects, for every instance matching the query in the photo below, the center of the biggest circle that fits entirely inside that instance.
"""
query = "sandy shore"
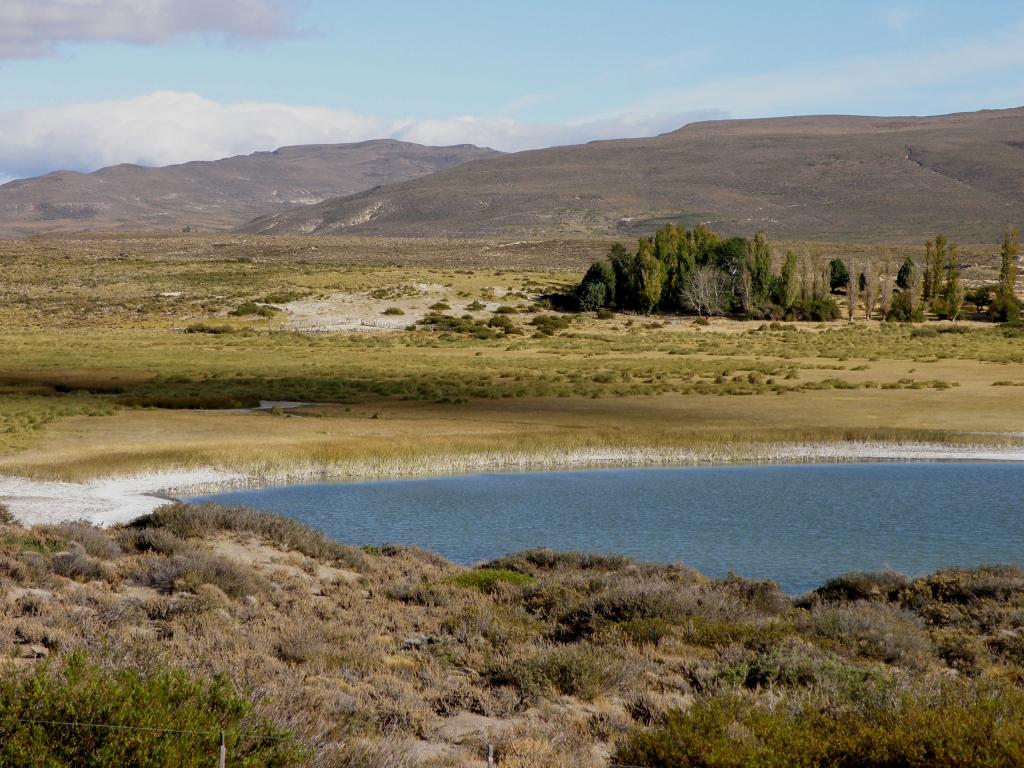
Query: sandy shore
(108, 501)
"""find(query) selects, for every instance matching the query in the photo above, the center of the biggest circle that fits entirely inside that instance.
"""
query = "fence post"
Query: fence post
(223, 751)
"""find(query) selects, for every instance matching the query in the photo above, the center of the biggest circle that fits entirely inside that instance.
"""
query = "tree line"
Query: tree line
(696, 271)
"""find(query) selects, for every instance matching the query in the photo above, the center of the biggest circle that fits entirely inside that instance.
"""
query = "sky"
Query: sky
(89, 83)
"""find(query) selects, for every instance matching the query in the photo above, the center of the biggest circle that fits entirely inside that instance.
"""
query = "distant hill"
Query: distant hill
(827, 177)
(218, 194)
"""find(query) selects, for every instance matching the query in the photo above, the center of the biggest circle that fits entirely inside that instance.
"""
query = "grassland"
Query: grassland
(98, 375)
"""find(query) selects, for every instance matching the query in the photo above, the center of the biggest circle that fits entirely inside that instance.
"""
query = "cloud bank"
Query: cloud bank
(31, 28)
(167, 127)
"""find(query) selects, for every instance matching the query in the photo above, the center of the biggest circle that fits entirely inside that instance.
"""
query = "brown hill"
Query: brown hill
(217, 194)
(825, 177)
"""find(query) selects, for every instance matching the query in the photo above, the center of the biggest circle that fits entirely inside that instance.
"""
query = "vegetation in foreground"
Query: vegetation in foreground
(308, 652)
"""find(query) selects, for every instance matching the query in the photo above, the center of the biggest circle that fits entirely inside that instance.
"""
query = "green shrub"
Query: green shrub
(955, 727)
(79, 691)
(487, 579)
(548, 325)
(903, 311)
(394, 311)
(210, 328)
(252, 308)
(575, 670)
(439, 306)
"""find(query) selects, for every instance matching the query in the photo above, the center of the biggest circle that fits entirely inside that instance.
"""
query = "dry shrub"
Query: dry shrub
(193, 521)
(873, 630)
(187, 571)
(365, 753)
(859, 585)
(77, 565)
(95, 541)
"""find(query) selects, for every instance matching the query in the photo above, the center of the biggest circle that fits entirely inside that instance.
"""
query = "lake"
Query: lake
(798, 525)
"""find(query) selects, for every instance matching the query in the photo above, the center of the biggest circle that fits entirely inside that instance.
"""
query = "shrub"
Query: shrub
(548, 325)
(605, 314)
(816, 310)
(951, 729)
(196, 520)
(209, 328)
(619, 605)
(6, 516)
(553, 560)
(187, 571)
(76, 565)
(926, 332)
(487, 579)
(577, 670)
(95, 541)
(439, 306)
(79, 691)
(862, 586)
(903, 311)
(394, 311)
(874, 630)
(252, 308)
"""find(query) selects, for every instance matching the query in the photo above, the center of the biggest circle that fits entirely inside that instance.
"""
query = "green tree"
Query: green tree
(786, 287)
(1005, 306)
(592, 296)
(903, 277)
(758, 266)
(650, 277)
(624, 267)
(838, 275)
(935, 258)
(952, 290)
(603, 273)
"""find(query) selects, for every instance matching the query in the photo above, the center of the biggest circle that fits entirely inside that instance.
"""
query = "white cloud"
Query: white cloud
(168, 127)
(847, 81)
(31, 28)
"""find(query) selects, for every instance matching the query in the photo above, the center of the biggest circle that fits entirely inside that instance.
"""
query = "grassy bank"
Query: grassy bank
(314, 653)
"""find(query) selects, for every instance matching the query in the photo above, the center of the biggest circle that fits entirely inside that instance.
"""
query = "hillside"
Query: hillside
(825, 177)
(307, 652)
(214, 194)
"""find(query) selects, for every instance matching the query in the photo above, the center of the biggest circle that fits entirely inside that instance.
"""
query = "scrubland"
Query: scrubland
(312, 653)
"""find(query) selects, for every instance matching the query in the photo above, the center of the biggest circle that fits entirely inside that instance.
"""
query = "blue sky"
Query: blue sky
(89, 82)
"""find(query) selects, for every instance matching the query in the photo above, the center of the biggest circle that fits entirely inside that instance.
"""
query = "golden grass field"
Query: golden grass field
(96, 377)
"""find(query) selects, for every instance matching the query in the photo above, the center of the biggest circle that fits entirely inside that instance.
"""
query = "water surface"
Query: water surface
(798, 525)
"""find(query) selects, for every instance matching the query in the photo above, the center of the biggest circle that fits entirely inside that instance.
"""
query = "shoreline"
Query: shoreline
(113, 500)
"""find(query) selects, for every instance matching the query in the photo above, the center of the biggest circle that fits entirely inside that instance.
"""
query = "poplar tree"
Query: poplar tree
(952, 291)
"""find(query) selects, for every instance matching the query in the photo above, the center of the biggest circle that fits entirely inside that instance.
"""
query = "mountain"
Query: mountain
(826, 177)
(217, 194)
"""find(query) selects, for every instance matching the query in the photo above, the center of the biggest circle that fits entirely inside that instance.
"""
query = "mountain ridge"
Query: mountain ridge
(214, 194)
(841, 177)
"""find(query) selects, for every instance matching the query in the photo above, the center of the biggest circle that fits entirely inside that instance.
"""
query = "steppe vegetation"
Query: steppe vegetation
(308, 652)
(119, 354)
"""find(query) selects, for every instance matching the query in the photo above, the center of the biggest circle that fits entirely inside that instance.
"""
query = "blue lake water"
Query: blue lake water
(798, 525)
